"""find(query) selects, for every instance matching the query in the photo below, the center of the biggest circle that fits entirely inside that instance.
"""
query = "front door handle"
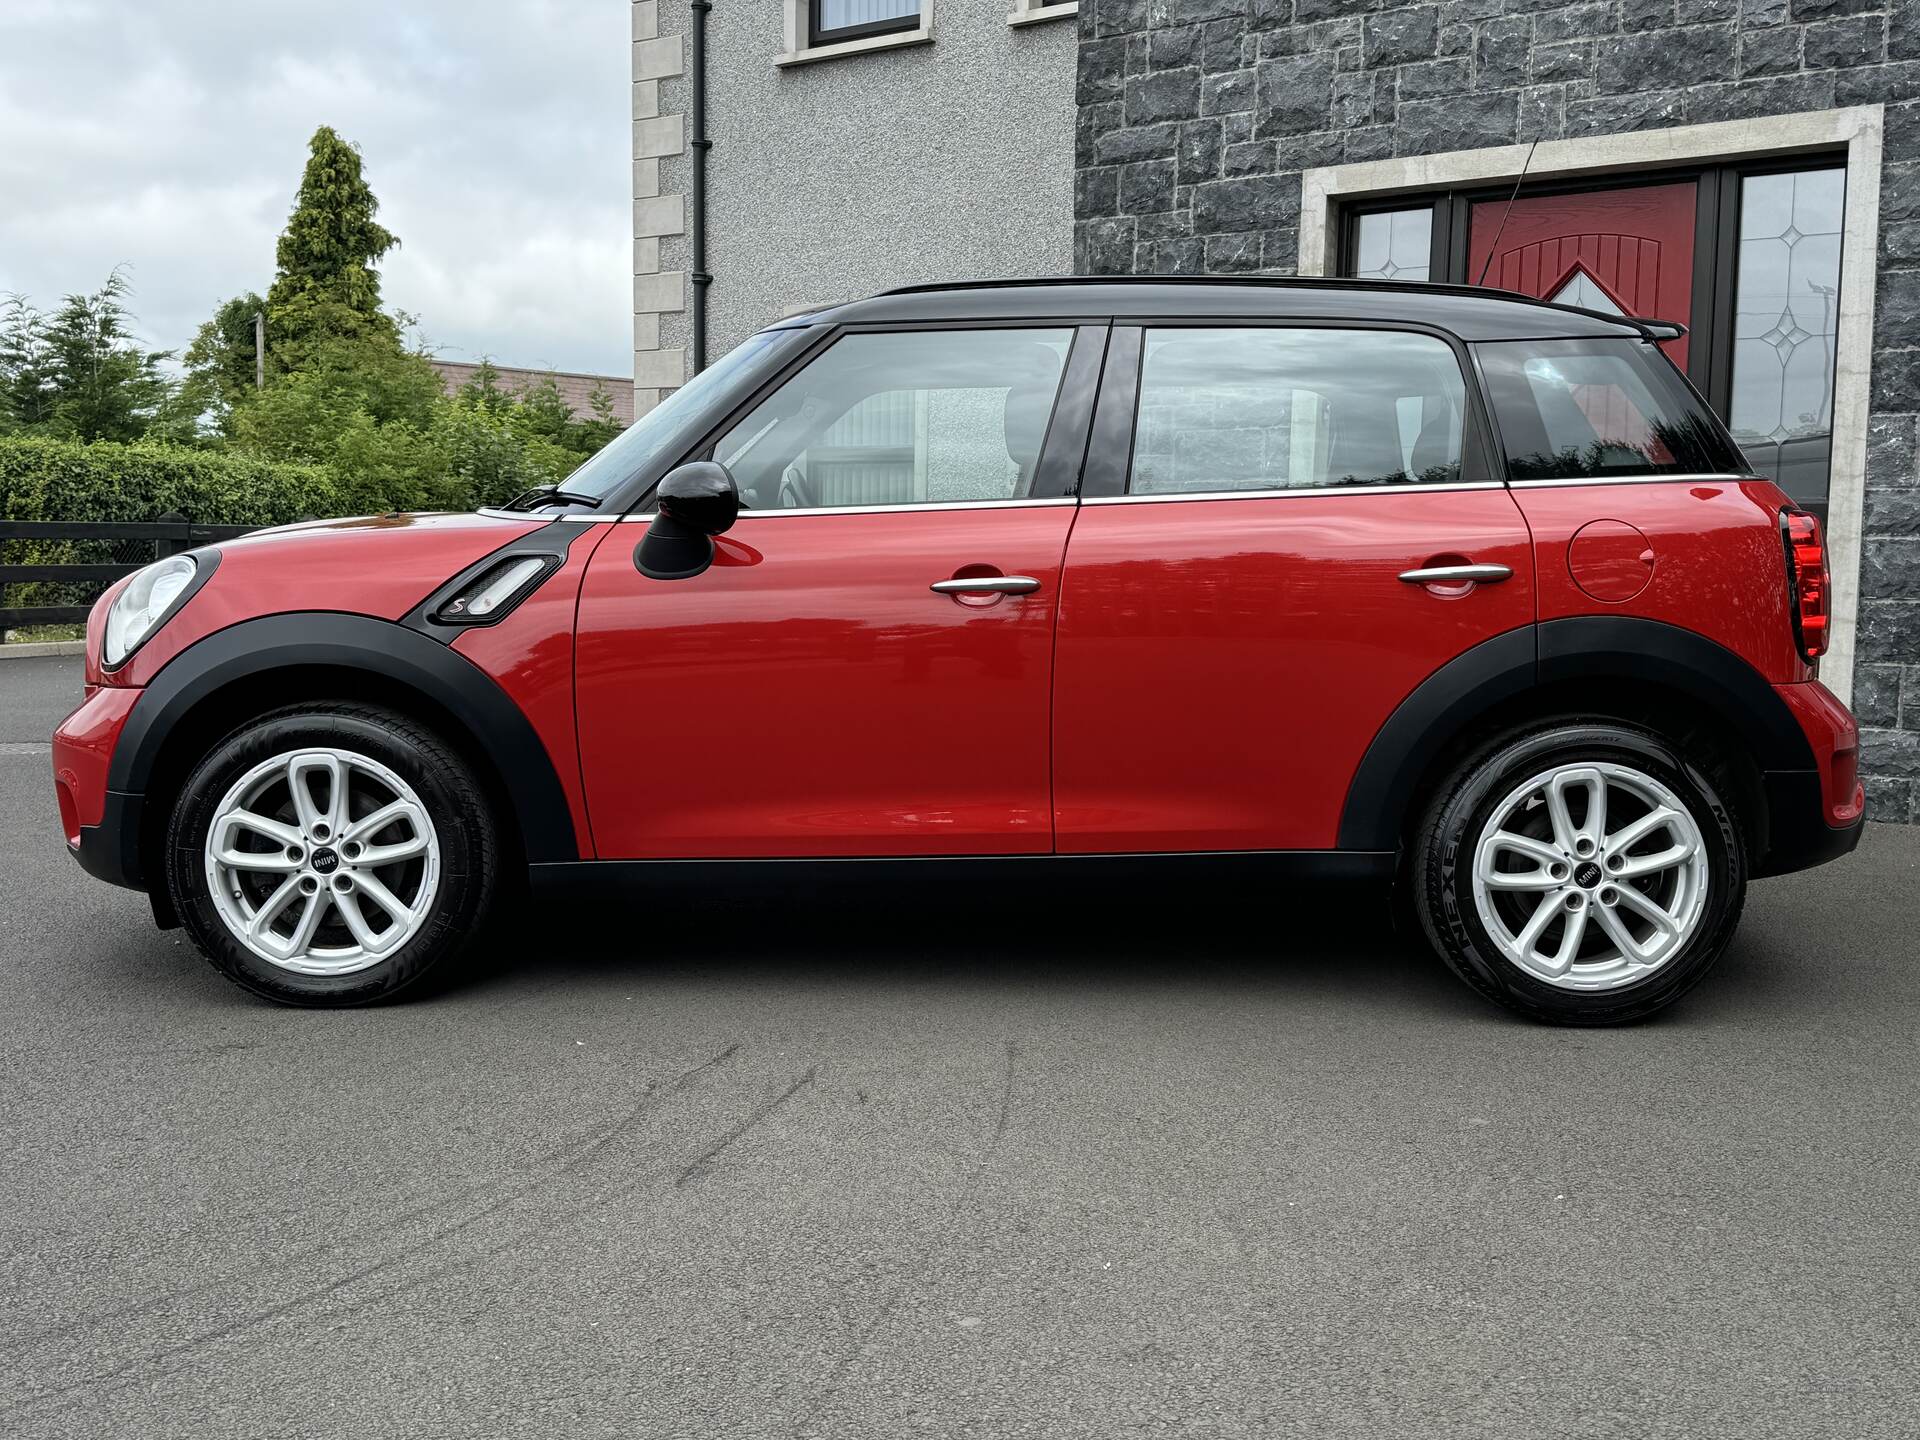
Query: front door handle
(1457, 574)
(987, 585)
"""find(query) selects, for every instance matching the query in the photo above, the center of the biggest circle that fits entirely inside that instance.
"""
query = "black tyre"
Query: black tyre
(1568, 913)
(331, 854)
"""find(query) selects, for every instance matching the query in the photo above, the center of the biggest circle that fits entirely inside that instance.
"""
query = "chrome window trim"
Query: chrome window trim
(1660, 479)
(1162, 497)
(920, 507)
(1158, 499)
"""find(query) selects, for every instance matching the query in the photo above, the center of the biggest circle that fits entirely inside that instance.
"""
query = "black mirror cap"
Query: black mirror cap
(701, 496)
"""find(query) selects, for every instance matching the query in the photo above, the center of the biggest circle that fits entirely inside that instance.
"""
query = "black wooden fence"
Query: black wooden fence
(130, 543)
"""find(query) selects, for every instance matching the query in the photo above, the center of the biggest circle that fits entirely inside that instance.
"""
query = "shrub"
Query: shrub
(43, 479)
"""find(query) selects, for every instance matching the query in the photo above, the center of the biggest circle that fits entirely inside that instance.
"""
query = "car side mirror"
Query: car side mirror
(692, 505)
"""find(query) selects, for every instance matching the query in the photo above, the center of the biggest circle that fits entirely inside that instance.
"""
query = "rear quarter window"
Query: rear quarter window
(1599, 409)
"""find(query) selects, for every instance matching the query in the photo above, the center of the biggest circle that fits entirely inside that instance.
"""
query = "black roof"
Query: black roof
(1467, 311)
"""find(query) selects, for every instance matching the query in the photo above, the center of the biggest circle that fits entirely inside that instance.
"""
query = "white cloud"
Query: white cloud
(168, 136)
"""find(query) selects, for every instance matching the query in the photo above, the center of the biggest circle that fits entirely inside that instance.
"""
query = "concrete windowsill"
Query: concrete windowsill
(1041, 13)
(866, 45)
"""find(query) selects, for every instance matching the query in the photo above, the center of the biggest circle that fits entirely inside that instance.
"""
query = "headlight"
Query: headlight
(148, 599)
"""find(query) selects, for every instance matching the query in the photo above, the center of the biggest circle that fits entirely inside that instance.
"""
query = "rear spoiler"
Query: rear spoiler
(1662, 329)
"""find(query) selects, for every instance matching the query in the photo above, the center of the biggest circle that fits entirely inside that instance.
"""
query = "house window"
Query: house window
(832, 21)
(1786, 313)
(1392, 244)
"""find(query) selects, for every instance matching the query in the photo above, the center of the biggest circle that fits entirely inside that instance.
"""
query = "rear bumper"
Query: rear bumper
(1815, 815)
(1798, 836)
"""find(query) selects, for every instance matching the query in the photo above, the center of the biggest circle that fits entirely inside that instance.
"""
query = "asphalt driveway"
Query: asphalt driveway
(936, 1163)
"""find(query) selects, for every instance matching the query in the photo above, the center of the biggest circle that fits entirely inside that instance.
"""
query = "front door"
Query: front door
(1625, 251)
(812, 694)
(1239, 624)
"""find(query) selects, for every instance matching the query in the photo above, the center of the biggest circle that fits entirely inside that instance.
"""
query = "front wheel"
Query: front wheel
(1583, 873)
(330, 854)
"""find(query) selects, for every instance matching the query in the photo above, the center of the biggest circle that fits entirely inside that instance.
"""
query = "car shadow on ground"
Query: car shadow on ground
(1326, 938)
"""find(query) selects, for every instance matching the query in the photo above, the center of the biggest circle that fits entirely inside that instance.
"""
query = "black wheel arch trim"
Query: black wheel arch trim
(256, 648)
(1586, 647)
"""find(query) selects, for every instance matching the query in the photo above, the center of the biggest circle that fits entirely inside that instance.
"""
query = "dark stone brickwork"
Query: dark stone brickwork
(1197, 116)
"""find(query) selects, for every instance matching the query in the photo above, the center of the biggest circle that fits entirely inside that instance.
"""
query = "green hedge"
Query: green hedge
(44, 479)
(65, 480)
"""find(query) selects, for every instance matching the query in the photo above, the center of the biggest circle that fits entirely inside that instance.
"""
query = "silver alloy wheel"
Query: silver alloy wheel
(322, 861)
(1590, 876)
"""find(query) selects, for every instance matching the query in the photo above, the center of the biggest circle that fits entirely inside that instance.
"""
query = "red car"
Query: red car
(1433, 585)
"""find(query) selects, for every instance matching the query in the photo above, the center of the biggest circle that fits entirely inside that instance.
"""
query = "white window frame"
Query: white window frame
(798, 31)
(1859, 128)
(1036, 12)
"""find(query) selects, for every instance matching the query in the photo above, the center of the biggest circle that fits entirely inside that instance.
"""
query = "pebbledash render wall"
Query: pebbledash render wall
(1197, 119)
(944, 153)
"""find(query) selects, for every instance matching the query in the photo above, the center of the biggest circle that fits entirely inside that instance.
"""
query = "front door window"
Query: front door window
(902, 418)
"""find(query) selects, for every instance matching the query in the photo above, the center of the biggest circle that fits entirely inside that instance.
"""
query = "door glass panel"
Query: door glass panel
(1393, 244)
(1275, 409)
(1581, 290)
(1574, 408)
(1786, 314)
(902, 419)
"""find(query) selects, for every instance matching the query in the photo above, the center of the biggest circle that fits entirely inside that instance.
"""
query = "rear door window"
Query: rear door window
(1286, 408)
(1597, 409)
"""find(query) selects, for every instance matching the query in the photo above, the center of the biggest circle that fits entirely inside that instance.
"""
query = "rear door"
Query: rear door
(813, 693)
(1235, 626)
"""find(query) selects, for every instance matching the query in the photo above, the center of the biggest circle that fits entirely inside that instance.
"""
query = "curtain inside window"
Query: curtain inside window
(840, 14)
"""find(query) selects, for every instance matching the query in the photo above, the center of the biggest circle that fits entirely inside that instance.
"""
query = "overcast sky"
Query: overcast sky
(168, 135)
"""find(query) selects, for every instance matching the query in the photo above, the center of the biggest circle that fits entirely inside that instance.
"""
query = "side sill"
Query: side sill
(1266, 865)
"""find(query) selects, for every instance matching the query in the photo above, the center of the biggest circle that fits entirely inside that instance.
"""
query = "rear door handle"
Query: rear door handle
(1456, 574)
(987, 585)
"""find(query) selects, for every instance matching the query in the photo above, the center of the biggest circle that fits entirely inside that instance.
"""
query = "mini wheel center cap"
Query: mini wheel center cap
(325, 862)
(1586, 876)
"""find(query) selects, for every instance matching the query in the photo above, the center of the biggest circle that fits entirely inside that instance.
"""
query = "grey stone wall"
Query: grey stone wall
(1197, 116)
(827, 181)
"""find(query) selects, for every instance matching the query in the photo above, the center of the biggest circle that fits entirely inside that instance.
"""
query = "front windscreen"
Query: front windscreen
(1578, 409)
(684, 416)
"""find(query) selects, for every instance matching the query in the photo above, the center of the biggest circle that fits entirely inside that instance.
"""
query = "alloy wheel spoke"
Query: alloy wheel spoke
(277, 831)
(1641, 865)
(1627, 836)
(270, 908)
(308, 924)
(1536, 926)
(302, 771)
(1642, 905)
(1593, 825)
(348, 904)
(266, 862)
(370, 825)
(1618, 932)
(397, 909)
(1563, 958)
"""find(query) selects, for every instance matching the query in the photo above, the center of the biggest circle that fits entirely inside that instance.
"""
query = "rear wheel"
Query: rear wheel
(330, 854)
(1585, 873)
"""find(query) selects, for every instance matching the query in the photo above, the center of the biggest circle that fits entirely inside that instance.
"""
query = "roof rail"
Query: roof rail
(1652, 329)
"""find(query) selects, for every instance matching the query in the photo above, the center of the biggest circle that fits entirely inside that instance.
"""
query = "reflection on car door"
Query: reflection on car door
(812, 694)
(1235, 627)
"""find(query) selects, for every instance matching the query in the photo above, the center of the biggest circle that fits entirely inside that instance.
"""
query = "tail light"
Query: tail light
(1808, 583)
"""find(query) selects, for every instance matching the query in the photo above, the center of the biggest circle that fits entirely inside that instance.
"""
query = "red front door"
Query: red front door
(810, 695)
(1627, 250)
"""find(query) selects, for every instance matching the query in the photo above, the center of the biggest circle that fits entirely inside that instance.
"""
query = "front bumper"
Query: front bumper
(102, 826)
